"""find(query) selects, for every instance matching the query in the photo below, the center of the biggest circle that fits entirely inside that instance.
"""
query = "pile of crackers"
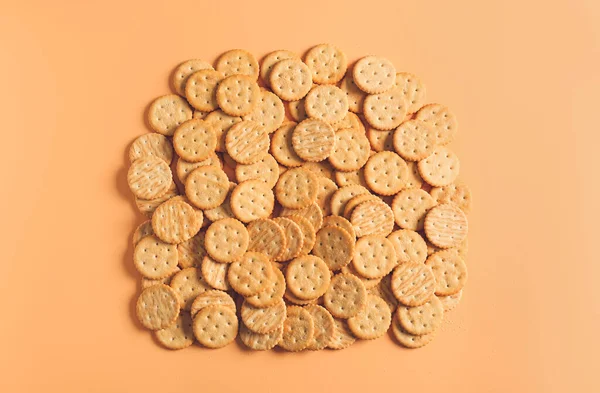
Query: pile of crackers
(297, 203)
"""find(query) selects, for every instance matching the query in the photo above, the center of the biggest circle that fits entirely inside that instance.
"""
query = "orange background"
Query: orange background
(523, 78)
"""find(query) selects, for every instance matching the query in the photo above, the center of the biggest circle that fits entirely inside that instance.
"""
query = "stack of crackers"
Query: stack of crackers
(298, 204)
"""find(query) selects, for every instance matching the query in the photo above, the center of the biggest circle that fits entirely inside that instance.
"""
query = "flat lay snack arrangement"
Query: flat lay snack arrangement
(300, 202)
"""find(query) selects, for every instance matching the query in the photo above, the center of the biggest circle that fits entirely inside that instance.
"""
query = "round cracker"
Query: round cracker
(410, 208)
(207, 187)
(252, 200)
(264, 319)
(188, 283)
(151, 145)
(157, 307)
(346, 296)
(441, 168)
(176, 221)
(267, 237)
(294, 239)
(413, 284)
(247, 142)
(296, 188)
(412, 88)
(238, 62)
(373, 321)
(179, 335)
(260, 342)
(212, 297)
(313, 140)
(409, 246)
(298, 329)
(192, 251)
(446, 226)
(342, 336)
(374, 256)
(215, 326)
(265, 170)
(155, 259)
(226, 240)
(373, 217)
(339, 222)
(281, 146)
(327, 63)
(271, 294)
(335, 246)
(414, 140)
(341, 197)
(195, 140)
(184, 168)
(312, 213)
(409, 340)
(449, 270)
(374, 74)
(237, 95)
(324, 327)
(269, 112)
(441, 119)
(269, 61)
(184, 70)
(166, 113)
(423, 319)
(201, 89)
(327, 103)
(291, 79)
(149, 177)
(351, 150)
(221, 123)
(307, 277)
(386, 173)
(458, 194)
(251, 274)
(215, 273)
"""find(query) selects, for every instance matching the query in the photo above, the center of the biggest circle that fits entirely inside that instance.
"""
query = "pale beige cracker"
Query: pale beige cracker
(157, 307)
(215, 326)
(384, 290)
(327, 63)
(251, 200)
(237, 95)
(409, 246)
(294, 239)
(184, 70)
(146, 282)
(192, 251)
(207, 187)
(296, 188)
(409, 340)
(451, 301)
(327, 188)
(269, 112)
(155, 145)
(308, 233)
(267, 237)
(226, 240)
(260, 342)
(201, 89)
(372, 217)
(212, 297)
(223, 210)
(307, 277)
(221, 123)
(446, 226)
(412, 88)
(327, 103)
(247, 142)
(351, 150)
(351, 120)
(335, 246)
(155, 259)
(413, 284)
(410, 207)
(215, 273)
(339, 222)
(441, 119)
(148, 206)
(423, 319)
(179, 334)
(228, 163)
(356, 96)
(188, 283)
(195, 140)
(198, 212)
(143, 230)
(374, 74)
(414, 140)
(343, 179)
(149, 177)
(357, 200)
(272, 294)
(342, 336)
(176, 221)
(449, 270)
(184, 168)
(414, 179)
(263, 320)
(346, 296)
(386, 173)
(298, 329)
(281, 146)
(297, 110)
(291, 79)
(441, 168)
(341, 197)
(251, 274)
(312, 213)
(373, 321)
(321, 169)
(374, 256)
(267, 63)
(456, 193)
(266, 170)
(238, 62)
(313, 140)
(324, 327)
(166, 113)
(380, 140)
